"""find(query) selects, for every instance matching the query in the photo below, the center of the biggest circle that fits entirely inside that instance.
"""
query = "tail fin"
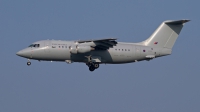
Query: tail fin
(166, 34)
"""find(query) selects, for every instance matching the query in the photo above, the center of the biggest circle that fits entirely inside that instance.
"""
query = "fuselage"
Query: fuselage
(97, 51)
(57, 50)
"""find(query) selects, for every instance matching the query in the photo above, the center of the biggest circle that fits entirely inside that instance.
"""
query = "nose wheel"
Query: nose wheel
(28, 63)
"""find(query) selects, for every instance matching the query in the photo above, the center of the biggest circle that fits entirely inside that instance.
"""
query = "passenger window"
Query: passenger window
(122, 49)
(59, 46)
(65, 46)
(62, 46)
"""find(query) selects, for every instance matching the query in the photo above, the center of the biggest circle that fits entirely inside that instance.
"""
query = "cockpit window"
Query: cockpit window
(34, 45)
(30, 45)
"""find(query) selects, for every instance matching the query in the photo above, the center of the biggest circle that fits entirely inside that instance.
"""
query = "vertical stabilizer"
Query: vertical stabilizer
(166, 34)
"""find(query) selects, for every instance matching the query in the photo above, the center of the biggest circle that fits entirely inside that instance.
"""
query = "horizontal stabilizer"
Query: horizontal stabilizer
(177, 22)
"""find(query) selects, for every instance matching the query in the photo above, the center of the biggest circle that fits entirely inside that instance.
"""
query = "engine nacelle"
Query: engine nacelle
(83, 49)
(73, 49)
(80, 49)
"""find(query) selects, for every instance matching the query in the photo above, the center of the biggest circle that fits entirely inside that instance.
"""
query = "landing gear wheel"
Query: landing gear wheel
(96, 65)
(28, 63)
(91, 68)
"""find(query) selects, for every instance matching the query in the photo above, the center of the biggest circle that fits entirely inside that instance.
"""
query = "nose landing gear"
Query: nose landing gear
(28, 63)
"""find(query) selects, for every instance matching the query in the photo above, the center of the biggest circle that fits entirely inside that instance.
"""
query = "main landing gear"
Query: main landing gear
(28, 63)
(92, 66)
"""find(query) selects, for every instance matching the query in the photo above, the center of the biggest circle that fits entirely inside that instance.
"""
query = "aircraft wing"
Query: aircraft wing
(101, 44)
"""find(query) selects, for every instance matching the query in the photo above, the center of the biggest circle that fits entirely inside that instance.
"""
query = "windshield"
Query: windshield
(34, 45)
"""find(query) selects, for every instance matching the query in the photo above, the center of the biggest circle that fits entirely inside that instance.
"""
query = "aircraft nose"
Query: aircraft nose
(24, 53)
(19, 53)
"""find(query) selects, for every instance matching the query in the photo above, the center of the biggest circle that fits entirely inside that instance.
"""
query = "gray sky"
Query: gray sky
(167, 84)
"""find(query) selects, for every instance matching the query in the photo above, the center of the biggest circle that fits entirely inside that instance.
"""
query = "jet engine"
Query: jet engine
(80, 49)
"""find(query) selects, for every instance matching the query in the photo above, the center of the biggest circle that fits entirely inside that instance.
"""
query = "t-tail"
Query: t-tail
(166, 34)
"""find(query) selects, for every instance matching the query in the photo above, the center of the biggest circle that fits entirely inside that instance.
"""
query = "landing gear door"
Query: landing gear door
(96, 59)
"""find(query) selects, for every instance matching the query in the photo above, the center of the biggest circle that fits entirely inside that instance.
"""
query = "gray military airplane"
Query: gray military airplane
(108, 51)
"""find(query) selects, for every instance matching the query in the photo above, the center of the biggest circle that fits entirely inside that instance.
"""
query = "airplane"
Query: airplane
(106, 51)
